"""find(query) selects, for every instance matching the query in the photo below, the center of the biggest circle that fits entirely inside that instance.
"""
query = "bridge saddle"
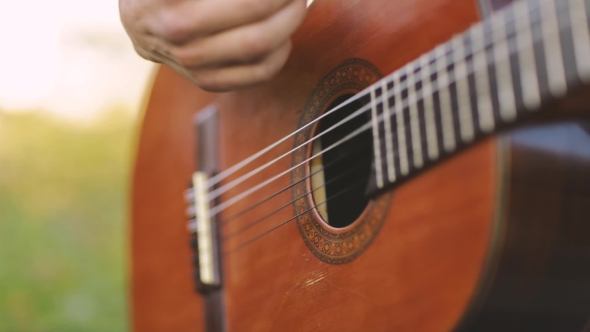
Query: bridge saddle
(203, 230)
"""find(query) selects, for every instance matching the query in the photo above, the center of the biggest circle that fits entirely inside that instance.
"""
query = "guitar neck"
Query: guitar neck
(501, 71)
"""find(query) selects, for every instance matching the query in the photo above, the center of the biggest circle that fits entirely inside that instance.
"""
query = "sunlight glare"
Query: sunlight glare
(68, 57)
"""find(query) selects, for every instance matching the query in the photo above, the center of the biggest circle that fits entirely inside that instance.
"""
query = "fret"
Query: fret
(482, 83)
(476, 84)
(414, 120)
(401, 129)
(553, 55)
(536, 17)
(513, 53)
(579, 14)
(388, 133)
(503, 70)
(448, 131)
(524, 39)
(492, 77)
(567, 42)
(376, 146)
(431, 139)
(463, 97)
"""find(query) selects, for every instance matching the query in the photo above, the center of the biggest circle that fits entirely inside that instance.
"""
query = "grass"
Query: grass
(63, 222)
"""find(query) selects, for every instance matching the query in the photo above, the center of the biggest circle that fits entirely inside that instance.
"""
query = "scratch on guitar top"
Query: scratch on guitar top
(312, 281)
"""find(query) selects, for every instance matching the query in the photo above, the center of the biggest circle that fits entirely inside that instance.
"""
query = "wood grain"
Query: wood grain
(162, 296)
(424, 269)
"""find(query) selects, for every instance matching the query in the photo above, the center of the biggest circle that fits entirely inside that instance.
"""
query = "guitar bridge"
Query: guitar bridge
(203, 230)
(202, 226)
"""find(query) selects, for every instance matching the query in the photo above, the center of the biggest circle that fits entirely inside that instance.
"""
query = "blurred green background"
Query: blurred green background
(63, 194)
(70, 91)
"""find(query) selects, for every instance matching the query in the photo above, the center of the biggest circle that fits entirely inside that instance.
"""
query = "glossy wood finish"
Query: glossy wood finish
(423, 269)
(430, 251)
(207, 162)
(162, 289)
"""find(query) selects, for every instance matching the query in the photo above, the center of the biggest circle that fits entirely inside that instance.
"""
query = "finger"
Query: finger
(245, 44)
(240, 76)
(189, 19)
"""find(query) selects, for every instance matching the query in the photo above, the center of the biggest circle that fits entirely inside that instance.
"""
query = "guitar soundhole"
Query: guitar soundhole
(340, 175)
(340, 230)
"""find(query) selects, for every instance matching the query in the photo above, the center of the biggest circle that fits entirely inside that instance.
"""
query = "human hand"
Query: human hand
(218, 45)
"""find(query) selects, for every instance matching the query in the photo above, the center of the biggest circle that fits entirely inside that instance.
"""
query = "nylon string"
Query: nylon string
(381, 118)
(224, 205)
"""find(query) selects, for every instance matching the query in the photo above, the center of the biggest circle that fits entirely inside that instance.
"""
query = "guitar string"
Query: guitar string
(534, 40)
(189, 195)
(325, 167)
(226, 220)
(365, 127)
(224, 205)
(364, 93)
(219, 177)
(226, 173)
(243, 244)
(214, 194)
(252, 223)
(224, 188)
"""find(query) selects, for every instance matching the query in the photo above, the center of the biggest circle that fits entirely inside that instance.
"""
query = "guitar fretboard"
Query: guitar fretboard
(499, 71)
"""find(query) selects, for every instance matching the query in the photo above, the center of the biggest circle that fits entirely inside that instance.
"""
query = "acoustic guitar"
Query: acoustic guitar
(418, 165)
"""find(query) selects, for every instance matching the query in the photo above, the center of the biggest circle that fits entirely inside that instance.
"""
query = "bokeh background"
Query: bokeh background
(71, 87)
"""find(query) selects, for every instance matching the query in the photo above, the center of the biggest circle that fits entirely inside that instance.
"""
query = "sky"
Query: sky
(68, 57)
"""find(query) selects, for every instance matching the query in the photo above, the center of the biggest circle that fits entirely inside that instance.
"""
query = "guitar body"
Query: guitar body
(495, 238)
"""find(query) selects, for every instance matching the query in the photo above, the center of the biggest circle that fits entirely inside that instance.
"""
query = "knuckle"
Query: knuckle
(181, 59)
(263, 72)
(173, 27)
(143, 53)
(206, 81)
(268, 68)
(187, 58)
(146, 51)
(257, 43)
